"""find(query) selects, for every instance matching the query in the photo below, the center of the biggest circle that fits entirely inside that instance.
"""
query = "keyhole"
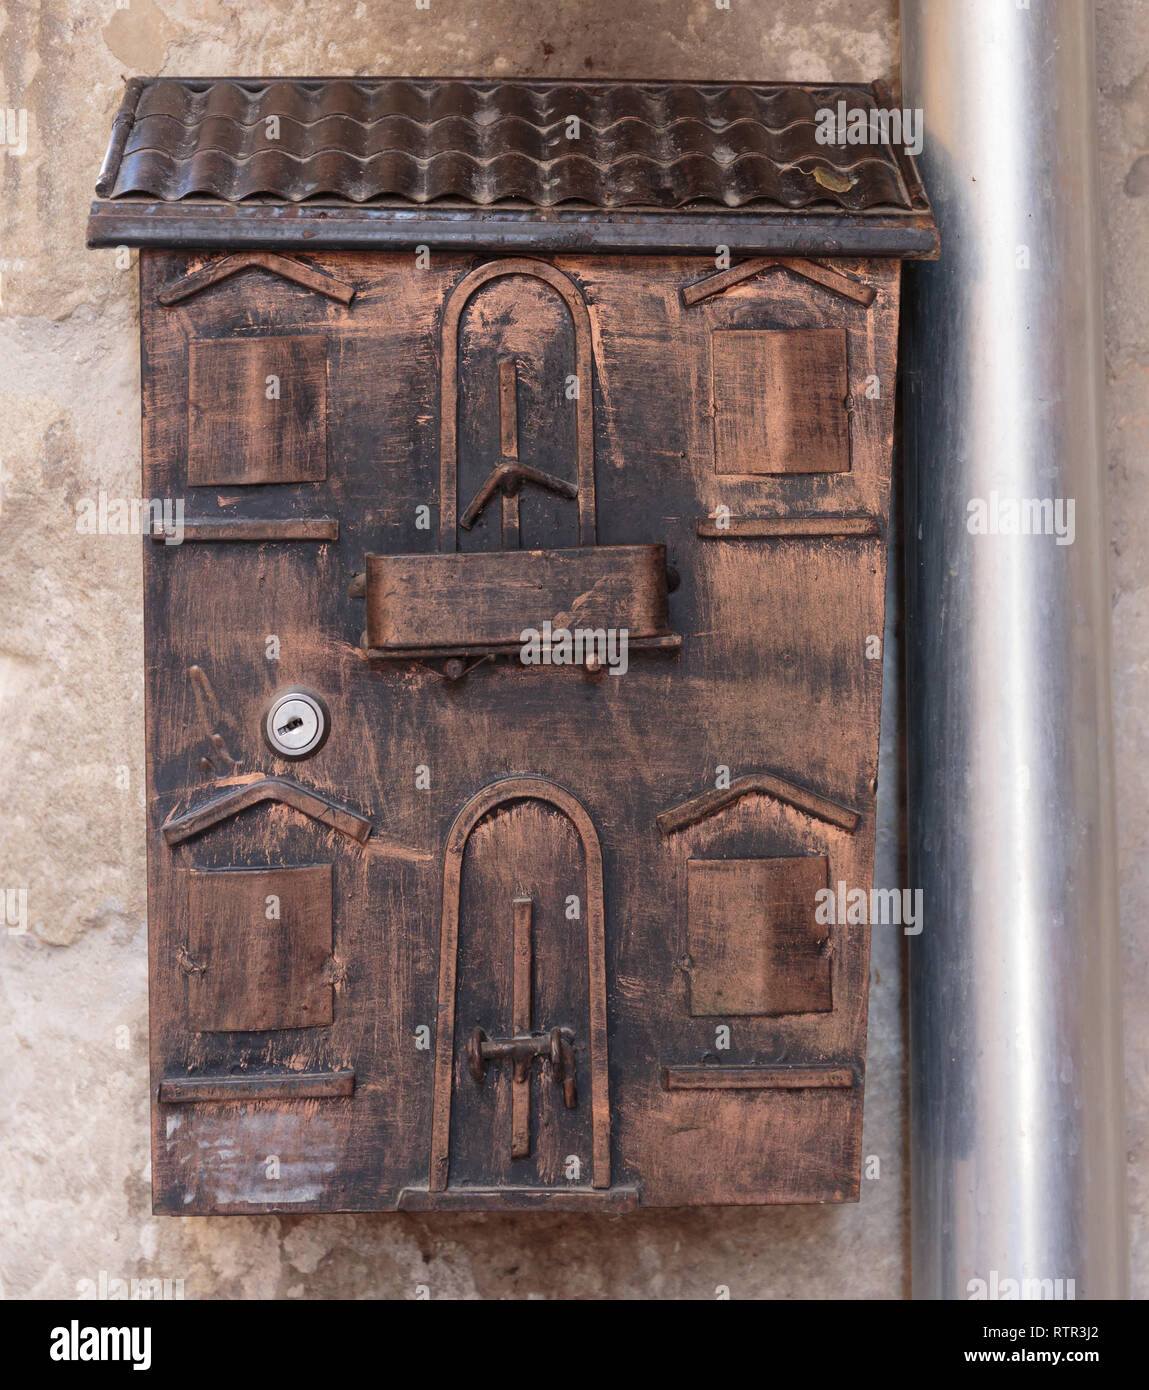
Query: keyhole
(295, 725)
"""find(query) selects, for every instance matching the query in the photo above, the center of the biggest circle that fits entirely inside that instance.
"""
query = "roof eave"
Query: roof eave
(303, 226)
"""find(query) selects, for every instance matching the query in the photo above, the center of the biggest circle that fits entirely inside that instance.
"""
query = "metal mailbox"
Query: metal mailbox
(512, 696)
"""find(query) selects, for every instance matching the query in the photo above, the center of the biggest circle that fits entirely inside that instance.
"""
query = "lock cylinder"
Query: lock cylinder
(296, 723)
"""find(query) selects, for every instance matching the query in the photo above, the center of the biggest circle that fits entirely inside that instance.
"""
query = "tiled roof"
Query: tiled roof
(635, 145)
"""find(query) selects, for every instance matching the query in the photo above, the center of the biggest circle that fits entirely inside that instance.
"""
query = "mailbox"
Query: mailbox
(513, 658)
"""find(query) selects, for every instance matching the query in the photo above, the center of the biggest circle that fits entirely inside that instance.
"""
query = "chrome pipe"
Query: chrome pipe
(1017, 1135)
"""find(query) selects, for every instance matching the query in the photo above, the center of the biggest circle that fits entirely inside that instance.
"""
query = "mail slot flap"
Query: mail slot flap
(488, 598)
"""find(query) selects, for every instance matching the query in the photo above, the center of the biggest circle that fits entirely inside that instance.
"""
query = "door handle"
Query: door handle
(557, 1047)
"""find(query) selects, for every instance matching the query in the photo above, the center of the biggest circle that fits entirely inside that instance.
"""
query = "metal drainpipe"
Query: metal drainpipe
(1017, 1132)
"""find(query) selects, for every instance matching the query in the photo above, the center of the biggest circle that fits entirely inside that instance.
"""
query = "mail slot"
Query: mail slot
(483, 601)
(440, 916)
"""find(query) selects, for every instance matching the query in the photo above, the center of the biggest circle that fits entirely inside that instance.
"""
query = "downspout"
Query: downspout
(1017, 1133)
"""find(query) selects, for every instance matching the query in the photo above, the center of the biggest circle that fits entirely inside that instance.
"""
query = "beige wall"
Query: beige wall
(74, 1195)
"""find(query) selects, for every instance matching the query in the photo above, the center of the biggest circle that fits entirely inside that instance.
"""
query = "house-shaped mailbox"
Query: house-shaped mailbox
(513, 666)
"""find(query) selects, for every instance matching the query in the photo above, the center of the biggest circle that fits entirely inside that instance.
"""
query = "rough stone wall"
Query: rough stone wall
(74, 1194)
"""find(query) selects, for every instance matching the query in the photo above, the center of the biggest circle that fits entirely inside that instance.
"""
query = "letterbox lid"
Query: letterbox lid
(343, 162)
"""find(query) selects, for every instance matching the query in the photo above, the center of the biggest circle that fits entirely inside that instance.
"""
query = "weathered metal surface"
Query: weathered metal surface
(549, 165)
(293, 1086)
(344, 227)
(319, 528)
(476, 601)
(604, 144)
(251, 793)
(611, 877)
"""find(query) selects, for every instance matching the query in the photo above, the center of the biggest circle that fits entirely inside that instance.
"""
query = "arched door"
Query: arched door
(517, 411)
(521, 1093)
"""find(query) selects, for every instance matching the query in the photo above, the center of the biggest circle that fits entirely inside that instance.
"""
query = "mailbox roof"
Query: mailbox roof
(565, 164)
